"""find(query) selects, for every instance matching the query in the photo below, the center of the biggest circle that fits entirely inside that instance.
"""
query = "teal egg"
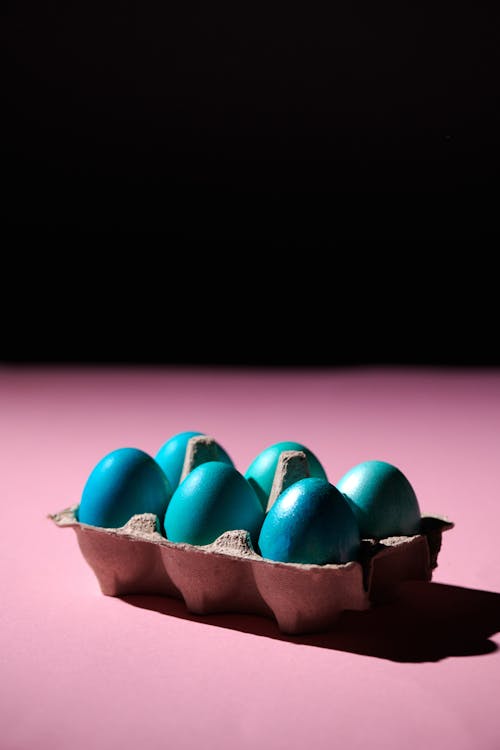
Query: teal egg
(310, 522)
(213, 498)
(261, 471)
(382, 499)
(125, 482)
(171, 455)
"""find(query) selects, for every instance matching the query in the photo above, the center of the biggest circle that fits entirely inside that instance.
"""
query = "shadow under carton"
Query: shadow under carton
(229, 576)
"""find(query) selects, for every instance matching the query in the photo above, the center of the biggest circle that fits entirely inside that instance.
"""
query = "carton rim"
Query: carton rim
(66, 518)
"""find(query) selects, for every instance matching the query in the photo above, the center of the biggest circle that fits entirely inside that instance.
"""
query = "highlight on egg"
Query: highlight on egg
(213, 498)
(310, 522)
(125, 482)
(260, 472)
(172, 453)
(382, 499)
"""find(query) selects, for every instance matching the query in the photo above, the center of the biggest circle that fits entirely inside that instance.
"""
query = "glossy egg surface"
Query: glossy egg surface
(260, 472)
(213, 498)
(125, 482)
(383, 500)
(310, 522)
(171, 455)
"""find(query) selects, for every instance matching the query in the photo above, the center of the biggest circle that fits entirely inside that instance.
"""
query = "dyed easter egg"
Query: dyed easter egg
(171, 455)
(382, 499)
(213, 498)
(310, 522)
(261, 471)
(125, 482)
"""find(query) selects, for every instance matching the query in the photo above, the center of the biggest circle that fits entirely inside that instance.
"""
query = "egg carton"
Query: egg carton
(229, 576)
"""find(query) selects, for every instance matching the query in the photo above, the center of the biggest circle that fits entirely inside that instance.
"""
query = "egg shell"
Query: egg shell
(310, 522)
(260, 473)
(213, 498)
(172, 453)
(125, 482)
(382, 499)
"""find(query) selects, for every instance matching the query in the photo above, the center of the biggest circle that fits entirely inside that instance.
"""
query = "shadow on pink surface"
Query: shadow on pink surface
(428, 622)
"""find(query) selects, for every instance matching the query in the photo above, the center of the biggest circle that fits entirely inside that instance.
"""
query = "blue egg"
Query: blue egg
(213, 498)
(310, 522)
(125, 482)
(261, 471)
(171, 455)
(382, 499)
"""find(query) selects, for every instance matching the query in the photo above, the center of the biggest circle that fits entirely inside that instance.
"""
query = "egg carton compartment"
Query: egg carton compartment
(229, 576)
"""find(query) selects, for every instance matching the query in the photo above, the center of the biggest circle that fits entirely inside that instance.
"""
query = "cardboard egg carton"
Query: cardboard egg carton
(228, 575)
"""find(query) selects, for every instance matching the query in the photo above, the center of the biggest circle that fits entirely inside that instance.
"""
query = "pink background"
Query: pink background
(82, 670)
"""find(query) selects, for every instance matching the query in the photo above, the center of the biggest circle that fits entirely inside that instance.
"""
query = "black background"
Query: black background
(309, 183)
(381, 311)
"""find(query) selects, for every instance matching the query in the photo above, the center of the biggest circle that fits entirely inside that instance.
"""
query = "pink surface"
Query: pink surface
(82, 670)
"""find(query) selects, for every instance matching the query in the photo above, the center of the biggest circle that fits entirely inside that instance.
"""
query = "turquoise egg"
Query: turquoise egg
(213, 498)
(171, 455)
(382, 499)
(125, 482)
(261, 471)
(310, 522)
